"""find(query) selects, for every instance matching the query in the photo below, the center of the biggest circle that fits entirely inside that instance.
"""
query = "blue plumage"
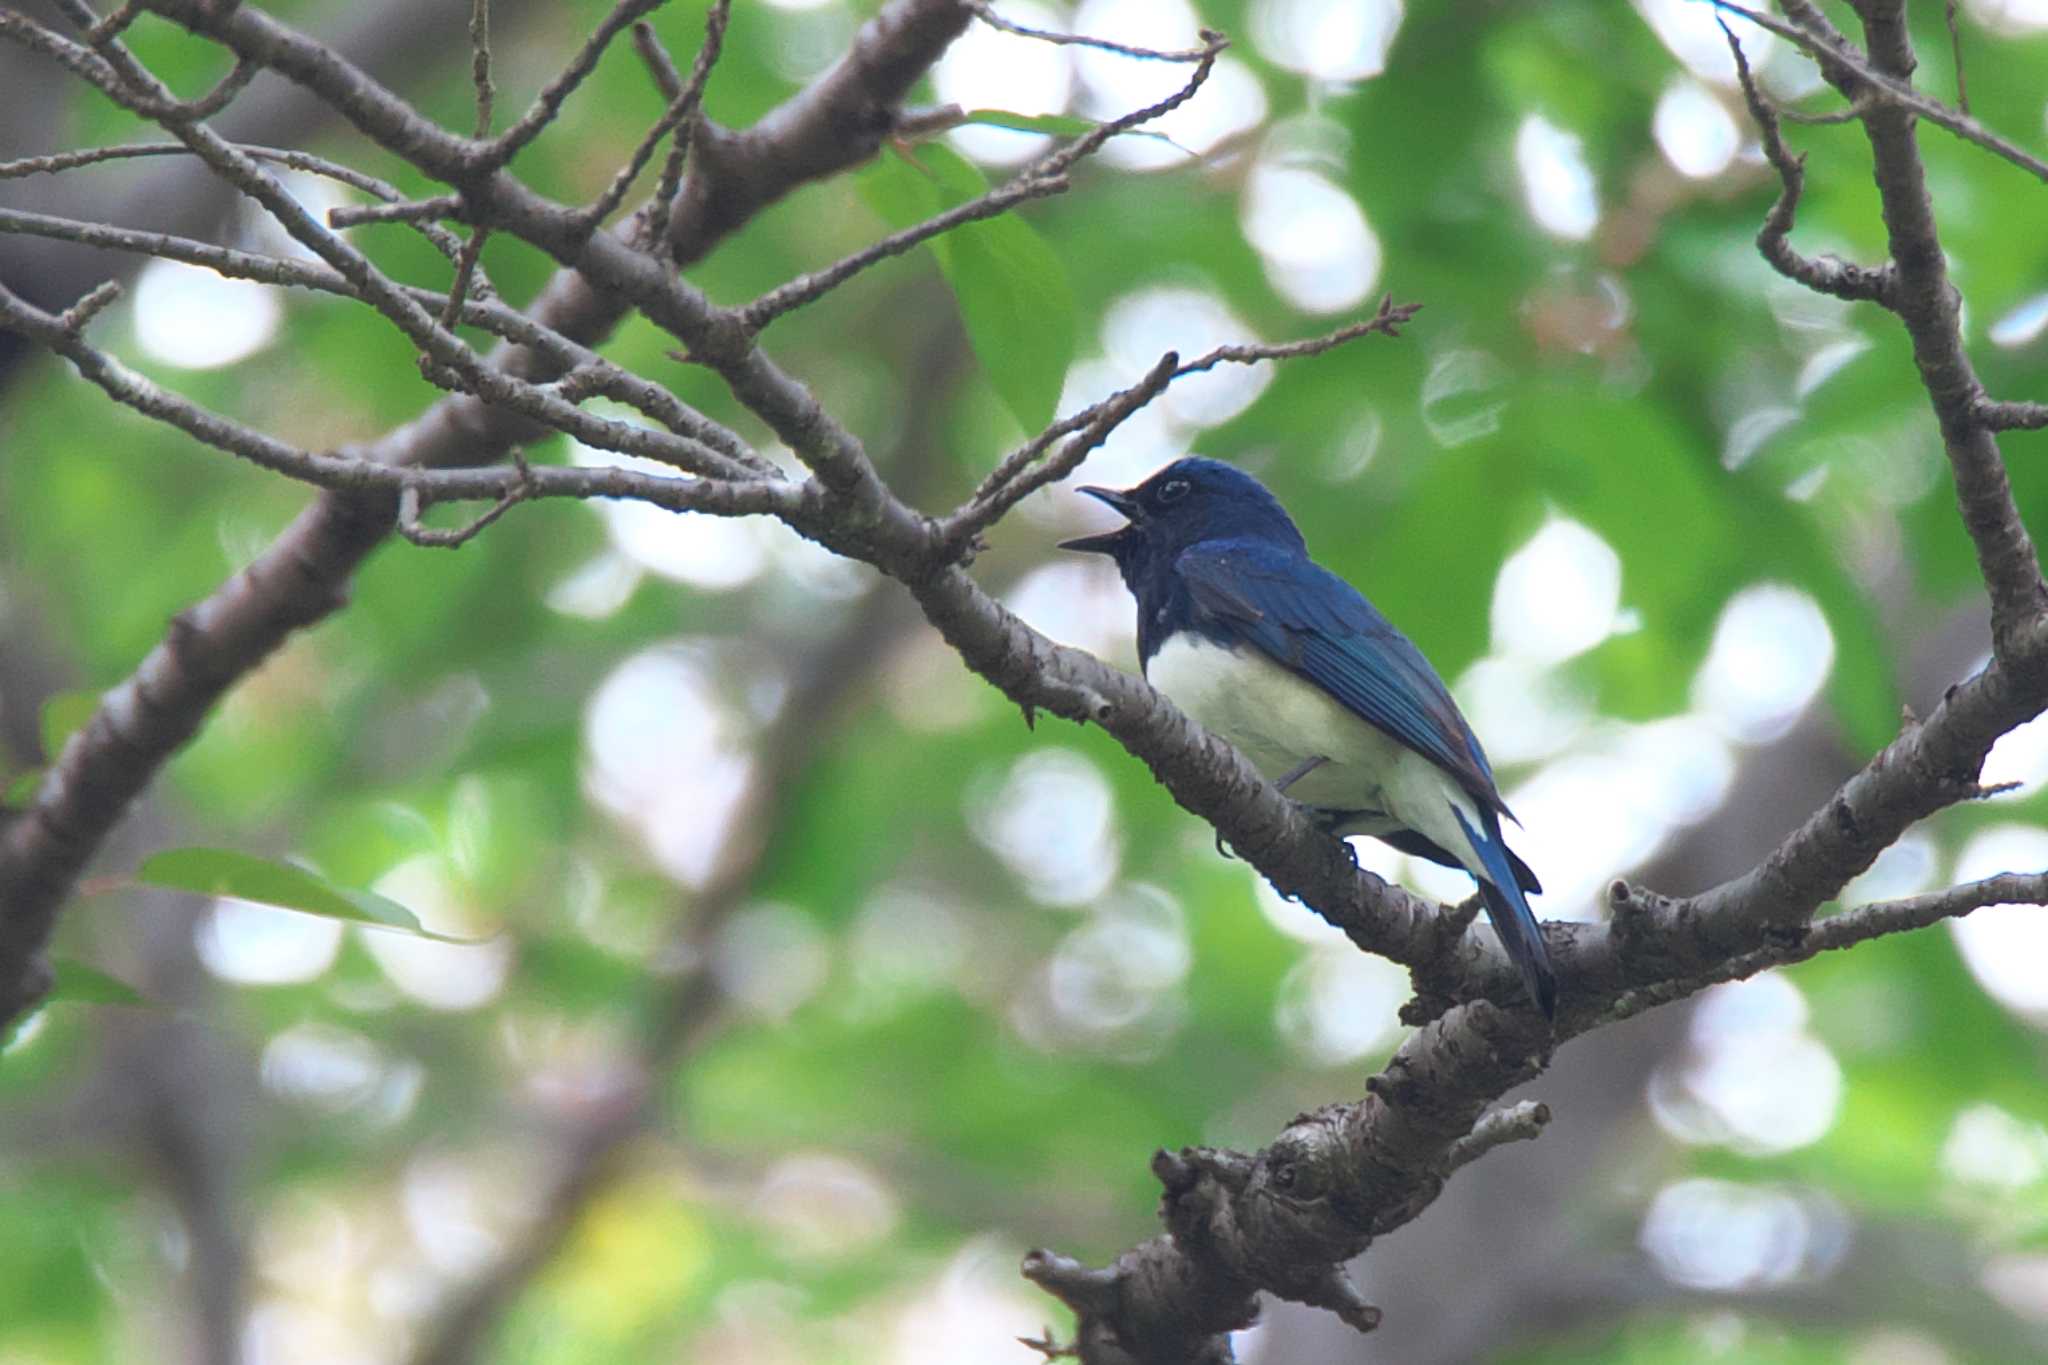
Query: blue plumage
(1295, 668)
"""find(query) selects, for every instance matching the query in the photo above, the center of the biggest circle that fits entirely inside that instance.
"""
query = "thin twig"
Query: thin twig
(1828, 275)
(1877, 919)
(1891, 89)
(404, 211)
(443, 352)
(662, 67)
(1516, 1123)
(1955, 42)
(1061, 158)
(480, 64)
(984, 11)
(1022, 477)
(146, 97)
(79, 315)
(1387, 321)
(279, 270)
(1043, 177)
(536, 401)
(465, 271)
(223, 92)
(2012, 416)
(1848, 113)
(548, 104)
(807, 289)
(114, 25)
(1021, 473)
(302, 577)
(444, 241)
(409, 509)
(677, 118)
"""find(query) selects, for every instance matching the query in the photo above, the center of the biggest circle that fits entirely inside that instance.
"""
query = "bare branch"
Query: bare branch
(1018, 476)
(1930, 307)
(1516, 1123)
(667, 79)
(244, 265)
(1387, 321)
(1827, 275)
(404, 211)
(480, 64)
(1844, 66)
(1045, 176)
(300, 578)
(1064, 157)
(809, 288)
(79, 315)
(1844, 930)
(465, 272)
(145, 396)
(409, 500)
(1955, 43)
(2010, 416)
(549, 103)
(444, 241)
(736, 174)
(1286, 1218)
(114, 25)
(133, 87)
(682, 107)
(1020, 473)
(985, 11)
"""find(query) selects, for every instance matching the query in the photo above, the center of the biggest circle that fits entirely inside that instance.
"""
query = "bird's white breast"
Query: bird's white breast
(1279, 720)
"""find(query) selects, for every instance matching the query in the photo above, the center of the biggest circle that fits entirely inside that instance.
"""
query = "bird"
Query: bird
(1290, 664)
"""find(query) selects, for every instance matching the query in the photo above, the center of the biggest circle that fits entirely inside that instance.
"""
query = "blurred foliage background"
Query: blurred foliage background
(1680, 533)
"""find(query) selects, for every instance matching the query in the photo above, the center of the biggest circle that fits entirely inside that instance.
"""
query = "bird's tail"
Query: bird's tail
(1509, 910)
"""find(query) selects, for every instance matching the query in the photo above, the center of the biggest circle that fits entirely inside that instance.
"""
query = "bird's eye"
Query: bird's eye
(1173, 490)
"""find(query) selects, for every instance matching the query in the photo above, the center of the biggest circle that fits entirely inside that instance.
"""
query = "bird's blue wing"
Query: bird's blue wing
(1318, 626)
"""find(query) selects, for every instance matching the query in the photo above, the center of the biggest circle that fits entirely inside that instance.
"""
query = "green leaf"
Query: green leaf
(1011, 286)
(75, 981)
(1057, 125)
(64, 713)
(225, 872)
(21, 788)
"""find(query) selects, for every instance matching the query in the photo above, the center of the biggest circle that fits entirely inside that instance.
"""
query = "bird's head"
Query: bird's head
(1190, 501)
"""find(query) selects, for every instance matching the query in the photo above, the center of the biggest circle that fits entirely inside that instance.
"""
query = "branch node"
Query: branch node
(1516, 1123)
(1827, 275)
(1333, 1290)
(1453, 920)
(1999, 416)
(1089, 1292)
(79, 315)
(517, 491)
(113, 26)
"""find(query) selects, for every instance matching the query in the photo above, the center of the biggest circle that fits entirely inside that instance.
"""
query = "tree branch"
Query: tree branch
(1846, 68)
(301, 577)
(1929, 306)
(1827, 275)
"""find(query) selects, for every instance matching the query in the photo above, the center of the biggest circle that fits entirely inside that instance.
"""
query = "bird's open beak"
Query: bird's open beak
(1107, 542)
